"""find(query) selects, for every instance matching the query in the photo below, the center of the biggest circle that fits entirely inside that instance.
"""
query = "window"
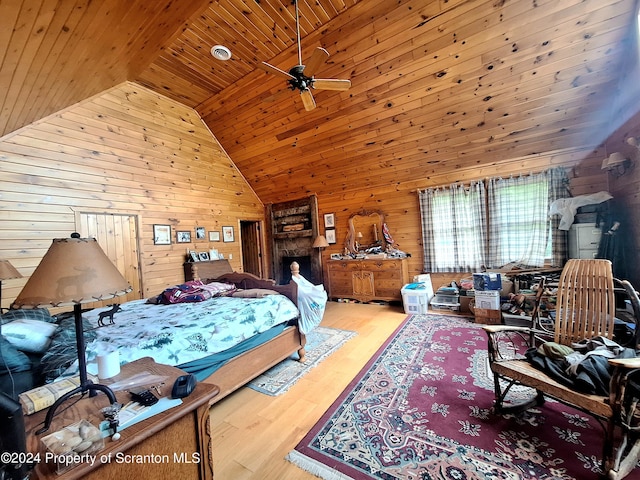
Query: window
(453, 222)
(505, 221)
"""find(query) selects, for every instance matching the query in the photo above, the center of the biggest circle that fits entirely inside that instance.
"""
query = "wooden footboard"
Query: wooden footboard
(245, 367)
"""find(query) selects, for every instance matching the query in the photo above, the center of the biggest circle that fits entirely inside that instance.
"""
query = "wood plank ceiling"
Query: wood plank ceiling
(439, 88)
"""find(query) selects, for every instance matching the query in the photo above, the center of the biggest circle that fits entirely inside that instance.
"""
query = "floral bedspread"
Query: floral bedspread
(179, 333)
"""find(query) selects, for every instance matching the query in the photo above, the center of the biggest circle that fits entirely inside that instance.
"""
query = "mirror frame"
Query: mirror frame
(351, 236)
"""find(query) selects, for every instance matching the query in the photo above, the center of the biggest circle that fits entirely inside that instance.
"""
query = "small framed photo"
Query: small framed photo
(194, 256)
(228, 235)
(200, 233)
(329, 220)
(336, 256)
(214, 236)
(204, 256)
(183, 236)
(330, 234)
(162, 234)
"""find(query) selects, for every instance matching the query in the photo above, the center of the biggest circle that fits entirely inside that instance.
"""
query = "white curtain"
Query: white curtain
(519, 223)
(453, 228)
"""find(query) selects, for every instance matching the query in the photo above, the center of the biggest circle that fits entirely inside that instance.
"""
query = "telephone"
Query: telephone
(183, 386)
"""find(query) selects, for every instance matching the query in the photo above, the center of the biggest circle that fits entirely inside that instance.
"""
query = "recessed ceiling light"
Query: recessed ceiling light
(220, 52)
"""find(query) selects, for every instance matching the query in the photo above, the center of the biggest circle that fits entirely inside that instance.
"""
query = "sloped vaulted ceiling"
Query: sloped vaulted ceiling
(438, 87)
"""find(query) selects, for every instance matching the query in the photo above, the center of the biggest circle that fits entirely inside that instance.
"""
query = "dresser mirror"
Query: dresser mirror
(365, 231)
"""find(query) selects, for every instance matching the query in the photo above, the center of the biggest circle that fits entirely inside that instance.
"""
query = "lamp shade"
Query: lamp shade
(73, 271)
(616, 158)
(320, 242)
(8, 271)
(613, 160)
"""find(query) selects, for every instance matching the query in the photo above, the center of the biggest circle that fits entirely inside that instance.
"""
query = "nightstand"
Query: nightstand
(173, 444)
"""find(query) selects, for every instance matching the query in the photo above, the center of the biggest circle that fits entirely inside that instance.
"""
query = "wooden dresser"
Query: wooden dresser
(367, 279)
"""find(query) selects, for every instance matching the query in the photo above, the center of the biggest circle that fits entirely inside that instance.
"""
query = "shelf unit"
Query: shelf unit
(292, 226)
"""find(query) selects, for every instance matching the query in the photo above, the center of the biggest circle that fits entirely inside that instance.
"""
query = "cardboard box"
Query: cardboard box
(39, 398)
(464, 304)
(489, 300)
(488, 317)
(487, 281)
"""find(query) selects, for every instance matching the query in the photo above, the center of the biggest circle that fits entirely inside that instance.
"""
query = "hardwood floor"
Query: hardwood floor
(252, 432)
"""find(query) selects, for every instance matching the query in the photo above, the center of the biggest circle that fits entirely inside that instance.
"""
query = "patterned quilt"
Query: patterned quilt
(179, 333)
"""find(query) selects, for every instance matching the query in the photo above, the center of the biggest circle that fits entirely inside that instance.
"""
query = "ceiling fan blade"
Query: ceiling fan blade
(275, 70)
(318, 57)
(331, 84)
(307, 100)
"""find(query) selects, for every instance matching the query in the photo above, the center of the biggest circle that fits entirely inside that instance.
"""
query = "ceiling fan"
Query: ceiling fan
(301, 77)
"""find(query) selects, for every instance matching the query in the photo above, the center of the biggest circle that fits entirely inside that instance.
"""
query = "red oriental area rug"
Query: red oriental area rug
(420, 409)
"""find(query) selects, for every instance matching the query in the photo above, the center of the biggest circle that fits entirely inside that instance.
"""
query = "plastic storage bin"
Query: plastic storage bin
(446, 302)
(416, 297)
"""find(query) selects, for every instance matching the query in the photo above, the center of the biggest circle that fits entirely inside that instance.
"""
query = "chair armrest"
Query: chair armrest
(625, 362)
(505, 328)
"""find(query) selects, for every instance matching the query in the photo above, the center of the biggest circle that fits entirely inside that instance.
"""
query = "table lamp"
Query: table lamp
(7, 272)
(73, 271)
(320, 242)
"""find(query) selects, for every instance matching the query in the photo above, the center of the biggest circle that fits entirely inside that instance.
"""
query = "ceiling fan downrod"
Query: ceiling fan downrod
(298, 33)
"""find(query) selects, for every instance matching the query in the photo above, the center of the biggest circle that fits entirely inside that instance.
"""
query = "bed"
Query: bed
(269, 329)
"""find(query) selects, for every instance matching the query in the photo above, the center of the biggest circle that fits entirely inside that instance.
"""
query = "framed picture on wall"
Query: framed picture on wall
(330, 234)
(200, 233)
(329, 220)
(162, 234)
(227, 234)
(183, 236)
(214, 236)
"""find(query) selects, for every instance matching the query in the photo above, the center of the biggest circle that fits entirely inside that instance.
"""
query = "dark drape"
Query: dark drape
(616, 243)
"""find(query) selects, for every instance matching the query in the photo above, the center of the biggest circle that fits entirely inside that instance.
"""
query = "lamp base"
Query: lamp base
(86, 385)
(89, 387)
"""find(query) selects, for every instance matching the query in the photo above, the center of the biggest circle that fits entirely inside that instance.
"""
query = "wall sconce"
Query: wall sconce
(616, 163)
(634, 142)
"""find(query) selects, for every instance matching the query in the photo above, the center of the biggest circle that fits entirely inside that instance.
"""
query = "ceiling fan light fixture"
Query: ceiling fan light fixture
(220, 52)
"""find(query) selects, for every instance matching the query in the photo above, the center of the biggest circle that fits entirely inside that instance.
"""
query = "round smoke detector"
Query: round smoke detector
(220, 52)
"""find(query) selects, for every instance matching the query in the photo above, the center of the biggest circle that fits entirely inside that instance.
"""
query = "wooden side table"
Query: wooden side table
(173, 444)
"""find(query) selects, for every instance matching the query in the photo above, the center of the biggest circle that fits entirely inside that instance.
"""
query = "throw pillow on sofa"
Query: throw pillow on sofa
(29, 335)
(63, 350)
(41, 314)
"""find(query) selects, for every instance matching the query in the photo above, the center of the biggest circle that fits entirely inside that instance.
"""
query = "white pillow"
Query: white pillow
(29, 335)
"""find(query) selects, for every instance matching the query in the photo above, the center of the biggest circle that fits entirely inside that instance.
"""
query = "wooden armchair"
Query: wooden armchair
(585, 308)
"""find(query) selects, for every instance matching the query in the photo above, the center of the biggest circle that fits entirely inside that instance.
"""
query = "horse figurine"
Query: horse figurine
(108, 314)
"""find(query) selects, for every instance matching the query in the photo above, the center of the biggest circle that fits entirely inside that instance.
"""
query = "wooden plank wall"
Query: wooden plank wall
(625, 189)
(126, 150)
(399, 202)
